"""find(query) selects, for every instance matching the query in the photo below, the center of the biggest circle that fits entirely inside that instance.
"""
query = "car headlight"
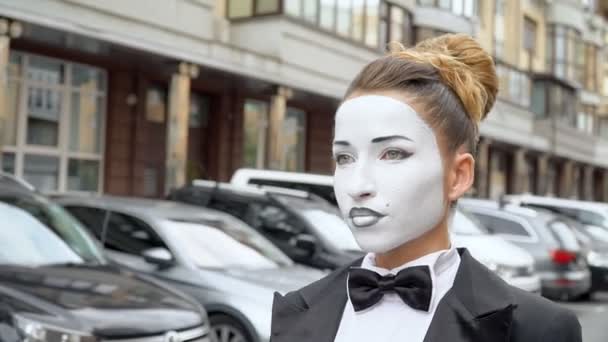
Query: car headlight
(34, 331)
(597, 259)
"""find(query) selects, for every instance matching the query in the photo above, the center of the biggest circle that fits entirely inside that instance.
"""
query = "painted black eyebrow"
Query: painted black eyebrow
(342, 143)
(390, 137)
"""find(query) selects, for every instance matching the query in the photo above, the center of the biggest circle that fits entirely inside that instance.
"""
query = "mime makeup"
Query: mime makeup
(389, 174)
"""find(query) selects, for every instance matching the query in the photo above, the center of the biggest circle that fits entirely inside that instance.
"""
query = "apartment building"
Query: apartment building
(136, 97)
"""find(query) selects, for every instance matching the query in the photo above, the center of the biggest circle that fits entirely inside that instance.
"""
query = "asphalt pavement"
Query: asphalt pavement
(593, 316)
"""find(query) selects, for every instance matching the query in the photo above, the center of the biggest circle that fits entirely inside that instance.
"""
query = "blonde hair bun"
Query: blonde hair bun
(463, 66)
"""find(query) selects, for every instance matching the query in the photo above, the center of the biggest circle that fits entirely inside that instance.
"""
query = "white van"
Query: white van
(320, 185)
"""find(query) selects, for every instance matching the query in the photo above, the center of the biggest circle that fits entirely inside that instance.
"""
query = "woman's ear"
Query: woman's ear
(461, 175)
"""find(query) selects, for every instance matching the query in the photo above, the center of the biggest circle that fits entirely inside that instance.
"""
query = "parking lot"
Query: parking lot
(593, 316)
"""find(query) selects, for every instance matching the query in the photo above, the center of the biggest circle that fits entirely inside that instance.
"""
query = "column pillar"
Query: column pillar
(177, 126)
(588, 183)
(278, 110)
(543, 174)
(482, 163)
(520, 171)
(8, 30)
(565, 182)
(605, 185)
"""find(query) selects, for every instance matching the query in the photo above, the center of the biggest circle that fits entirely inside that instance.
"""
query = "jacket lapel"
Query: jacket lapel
(313, 313)
(478, 308)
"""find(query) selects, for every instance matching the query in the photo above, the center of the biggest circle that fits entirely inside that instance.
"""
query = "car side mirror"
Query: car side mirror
(306, 242)
(159, 256)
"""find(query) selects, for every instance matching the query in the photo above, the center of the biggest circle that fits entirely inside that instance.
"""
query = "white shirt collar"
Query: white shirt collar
(438, 262)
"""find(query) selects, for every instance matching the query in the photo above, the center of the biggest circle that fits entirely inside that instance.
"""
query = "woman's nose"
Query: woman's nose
(362, 187)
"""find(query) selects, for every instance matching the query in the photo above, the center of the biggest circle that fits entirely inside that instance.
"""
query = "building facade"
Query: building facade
(136, 97)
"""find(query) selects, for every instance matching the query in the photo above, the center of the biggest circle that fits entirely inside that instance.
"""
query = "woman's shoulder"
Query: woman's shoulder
(539, 319)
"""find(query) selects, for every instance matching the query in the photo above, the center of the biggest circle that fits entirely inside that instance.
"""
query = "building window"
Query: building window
(396, 24)
(199, 110)
(514, 85)
(8, 128)
(424, 33)
(156, 104)
(294, 135)
(499, 28)
(591, 67)
(256, 137)
(585, 119)
(603, 127)
(565, 55)
(553, 99)
(529, 42)
(248, 8)
(59, 147)
(255, 124)
(8, 163)
(467, 8)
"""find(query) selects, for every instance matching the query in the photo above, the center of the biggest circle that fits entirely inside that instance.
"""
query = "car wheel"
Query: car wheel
(228, 329)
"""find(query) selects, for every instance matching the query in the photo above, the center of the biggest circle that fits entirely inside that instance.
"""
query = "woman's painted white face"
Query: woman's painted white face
(389, 174)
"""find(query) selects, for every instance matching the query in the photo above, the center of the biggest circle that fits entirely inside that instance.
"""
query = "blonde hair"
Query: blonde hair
(451, 76)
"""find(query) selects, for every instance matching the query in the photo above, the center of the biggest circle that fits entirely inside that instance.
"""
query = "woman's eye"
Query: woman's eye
(342, 159)
(395, 155)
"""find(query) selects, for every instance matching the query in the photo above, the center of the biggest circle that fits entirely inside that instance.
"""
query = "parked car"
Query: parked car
(225, 264)
(307, 228)
(56, 284)
(320, 185)
(558, 256)
(585, 219)
(512, 263)
(592, 214)
(12, 182)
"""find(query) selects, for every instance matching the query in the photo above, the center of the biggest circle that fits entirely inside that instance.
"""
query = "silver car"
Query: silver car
(558, 256)
(229, 267)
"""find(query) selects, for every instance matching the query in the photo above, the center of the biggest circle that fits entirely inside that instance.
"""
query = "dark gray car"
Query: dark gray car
(558, 255)
(218, 259)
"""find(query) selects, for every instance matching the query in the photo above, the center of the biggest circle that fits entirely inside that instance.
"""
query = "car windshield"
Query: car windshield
(466, 224)
(224, 244)
(36, 232)
(325, 219)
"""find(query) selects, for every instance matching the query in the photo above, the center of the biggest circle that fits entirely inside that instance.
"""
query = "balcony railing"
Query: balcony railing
(465, 8)
(371, 23)
(515, 86)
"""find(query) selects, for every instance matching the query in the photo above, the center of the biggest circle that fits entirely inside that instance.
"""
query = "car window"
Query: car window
(131, 235)
(92, 218)
(55, 220)
(467, 224)
(499, 225)
(275, 222)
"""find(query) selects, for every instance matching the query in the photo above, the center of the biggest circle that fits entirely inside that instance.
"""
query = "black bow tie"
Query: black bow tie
(413, 284)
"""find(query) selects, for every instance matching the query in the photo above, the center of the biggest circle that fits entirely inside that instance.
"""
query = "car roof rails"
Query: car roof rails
(227, 186)
(284, 191)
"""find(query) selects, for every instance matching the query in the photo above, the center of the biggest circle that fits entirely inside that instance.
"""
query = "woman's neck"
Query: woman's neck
(434, 240)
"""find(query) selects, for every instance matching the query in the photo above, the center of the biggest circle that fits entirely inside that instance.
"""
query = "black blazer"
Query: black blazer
(480, 307)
